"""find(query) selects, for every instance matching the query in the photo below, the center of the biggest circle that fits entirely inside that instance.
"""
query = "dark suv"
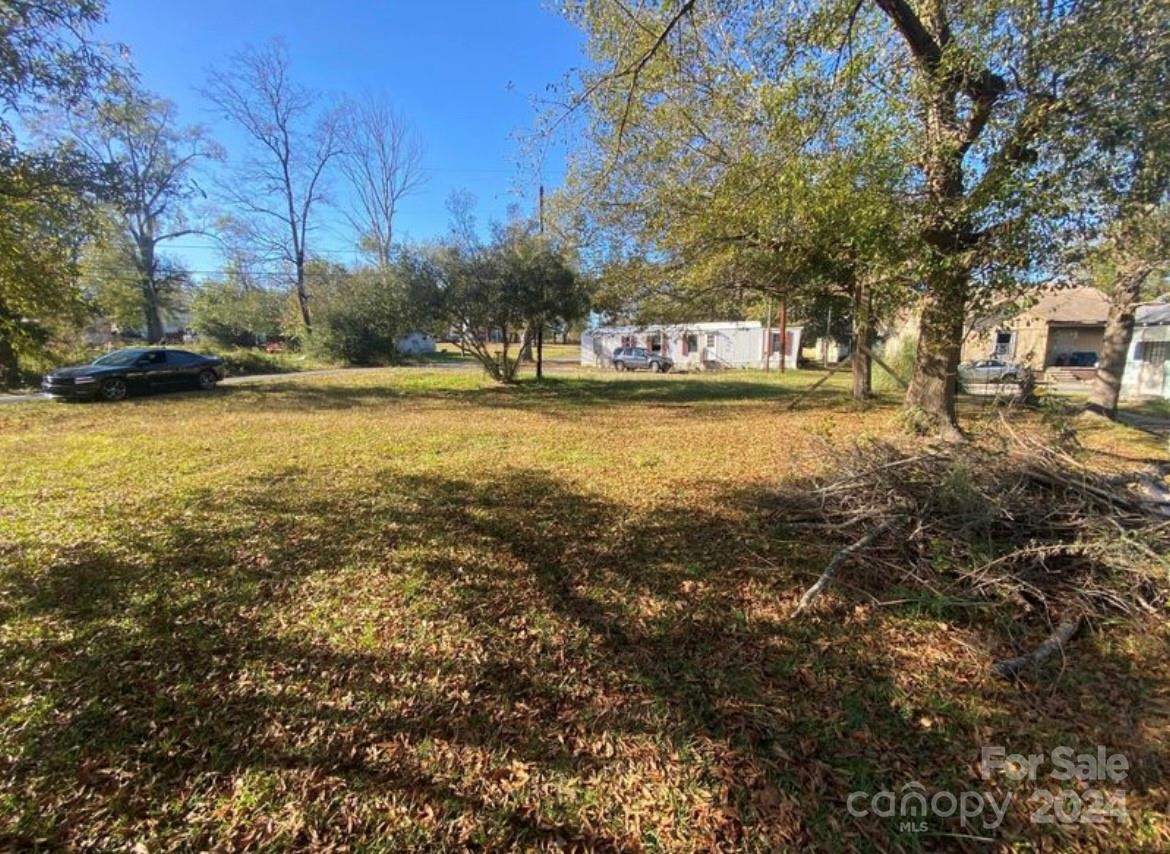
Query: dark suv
(114, 375)
(640, 359)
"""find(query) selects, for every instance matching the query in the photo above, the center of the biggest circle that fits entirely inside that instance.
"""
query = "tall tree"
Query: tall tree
(1116, 159)
(963, 96)
(46, 58)
(280, 183)
(491, 293)
(152, 159)
(733, 183)
(1131, 259)
(44, 224)
(382, 162)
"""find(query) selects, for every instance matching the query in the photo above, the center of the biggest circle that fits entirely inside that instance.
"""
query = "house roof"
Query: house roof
(710, 326)
(1153, 314)
(1071, 305)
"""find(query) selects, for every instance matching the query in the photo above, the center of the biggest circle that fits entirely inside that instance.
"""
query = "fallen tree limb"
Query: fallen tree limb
(1010, 668)
(865, 351)
(839, 558)
(840, 366)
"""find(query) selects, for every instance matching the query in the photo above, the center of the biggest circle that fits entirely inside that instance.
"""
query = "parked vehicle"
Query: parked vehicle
(640, 359)
(989, 371)
(115, 375)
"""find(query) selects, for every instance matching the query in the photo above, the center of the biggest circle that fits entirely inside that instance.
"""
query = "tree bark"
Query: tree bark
(1115, 348)
(932, 390)
(154, 323)
(946, 230)
(303, 297)
(931, 395)
(152, 311)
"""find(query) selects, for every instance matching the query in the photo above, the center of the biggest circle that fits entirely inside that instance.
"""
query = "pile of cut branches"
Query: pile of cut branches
(1027, 526)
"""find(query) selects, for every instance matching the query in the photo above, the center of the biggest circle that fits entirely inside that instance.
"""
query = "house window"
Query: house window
(628, 341)
(691, 343)
(1003, 343)
(710, 339)
(656, 343)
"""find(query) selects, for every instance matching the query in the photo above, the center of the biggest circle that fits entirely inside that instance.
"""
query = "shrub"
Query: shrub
(231, 314)
(357, 315)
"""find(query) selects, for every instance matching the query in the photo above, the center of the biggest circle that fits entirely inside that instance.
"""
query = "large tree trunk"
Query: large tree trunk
(1115, 347)
(153, 314)
(862, 341)
(303, 299)
(931, 396)
(932, 391)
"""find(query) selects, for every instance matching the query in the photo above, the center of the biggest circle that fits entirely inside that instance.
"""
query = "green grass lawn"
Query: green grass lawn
(409, 609)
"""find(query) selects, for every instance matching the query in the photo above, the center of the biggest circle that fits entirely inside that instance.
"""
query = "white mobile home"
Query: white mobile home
(1147, 367)
(695, 346)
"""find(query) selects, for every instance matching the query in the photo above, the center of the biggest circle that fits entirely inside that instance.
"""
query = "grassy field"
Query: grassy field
(406, 609)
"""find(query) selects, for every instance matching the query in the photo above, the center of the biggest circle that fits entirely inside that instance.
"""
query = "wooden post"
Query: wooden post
(783, 334)
(768, 339)
(825, 340)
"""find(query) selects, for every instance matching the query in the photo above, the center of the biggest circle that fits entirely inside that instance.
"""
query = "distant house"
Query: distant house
(695, 346)
(1064, 328)
(1147, 366)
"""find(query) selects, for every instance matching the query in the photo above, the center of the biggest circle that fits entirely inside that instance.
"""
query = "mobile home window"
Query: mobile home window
(692, 343)
(710, 339)
(1152, 352)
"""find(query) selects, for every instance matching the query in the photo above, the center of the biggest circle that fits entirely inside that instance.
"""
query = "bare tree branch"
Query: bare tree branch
(282, 180)
(382, 163)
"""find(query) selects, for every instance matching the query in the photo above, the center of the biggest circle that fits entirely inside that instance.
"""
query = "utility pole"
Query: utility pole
(825, 341)
(540, 328)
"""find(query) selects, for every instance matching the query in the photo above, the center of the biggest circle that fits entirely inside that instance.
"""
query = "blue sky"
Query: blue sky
(464, 73)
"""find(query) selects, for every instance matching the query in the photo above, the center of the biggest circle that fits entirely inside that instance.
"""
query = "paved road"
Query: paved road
(262, 378)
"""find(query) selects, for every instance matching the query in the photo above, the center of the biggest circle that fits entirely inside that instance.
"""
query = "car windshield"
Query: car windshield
(119, 357)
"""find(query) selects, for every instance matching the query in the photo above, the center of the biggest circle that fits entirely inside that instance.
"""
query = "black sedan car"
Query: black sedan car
(115, 375)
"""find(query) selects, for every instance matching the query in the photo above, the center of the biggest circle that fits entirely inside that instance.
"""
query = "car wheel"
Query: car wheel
(656, 367)
(619, 366)
(207, 380)
(114, 389)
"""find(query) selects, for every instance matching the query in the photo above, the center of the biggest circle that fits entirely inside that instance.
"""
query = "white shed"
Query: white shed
(695, 346)
(415, 343)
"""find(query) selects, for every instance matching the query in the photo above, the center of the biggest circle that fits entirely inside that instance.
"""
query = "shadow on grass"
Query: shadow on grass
(432, 662)
(551, 393)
